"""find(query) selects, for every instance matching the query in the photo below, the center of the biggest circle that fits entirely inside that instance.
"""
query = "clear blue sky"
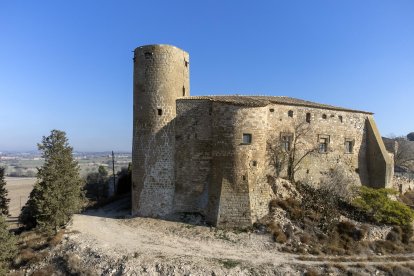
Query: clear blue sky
(68, 64)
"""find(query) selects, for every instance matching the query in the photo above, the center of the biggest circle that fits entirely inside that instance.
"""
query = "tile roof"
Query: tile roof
(258, 101)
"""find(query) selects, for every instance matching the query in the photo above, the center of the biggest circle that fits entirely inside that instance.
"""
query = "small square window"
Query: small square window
(290, 113)
(272, 110)
(159, 111)
(324, 116)
(349, 146)
(254, 163)
(247, 138)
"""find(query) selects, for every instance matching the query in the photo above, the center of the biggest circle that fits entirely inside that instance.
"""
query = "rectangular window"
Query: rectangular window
(349, 146)
(247, 138)
(308, 117)
(159, 112)
(323, 143)
(286, 139)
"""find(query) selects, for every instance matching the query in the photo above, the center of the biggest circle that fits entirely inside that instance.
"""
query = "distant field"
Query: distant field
(28, 168)
(19, 189)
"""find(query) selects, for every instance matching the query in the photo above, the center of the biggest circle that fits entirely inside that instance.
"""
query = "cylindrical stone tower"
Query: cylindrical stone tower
(161, 75)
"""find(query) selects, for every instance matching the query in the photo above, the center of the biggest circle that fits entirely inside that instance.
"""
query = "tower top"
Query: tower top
(158, 46)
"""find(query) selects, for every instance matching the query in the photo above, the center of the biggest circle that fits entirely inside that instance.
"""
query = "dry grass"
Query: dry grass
(277, 232)
(45, 271)
(74, 266)
(56, 239)
(311, 272)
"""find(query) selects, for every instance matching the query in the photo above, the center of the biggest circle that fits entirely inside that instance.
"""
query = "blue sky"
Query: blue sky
(68, 64)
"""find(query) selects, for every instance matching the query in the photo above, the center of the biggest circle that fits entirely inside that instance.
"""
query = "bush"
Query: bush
(348, 229)
(277, 232)
(381, 209)
(124, 181)
(8, 247)
(97, 185)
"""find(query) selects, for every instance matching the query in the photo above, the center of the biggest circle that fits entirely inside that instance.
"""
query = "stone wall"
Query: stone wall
(219, 175)
(192, 155)
(337, 126)
(235, 164)
(161, 75)
(380, 164)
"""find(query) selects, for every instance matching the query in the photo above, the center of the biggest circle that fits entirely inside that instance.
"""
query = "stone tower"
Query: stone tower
(161, 75)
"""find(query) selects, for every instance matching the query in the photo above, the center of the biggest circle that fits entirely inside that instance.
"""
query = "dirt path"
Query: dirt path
(111, 244)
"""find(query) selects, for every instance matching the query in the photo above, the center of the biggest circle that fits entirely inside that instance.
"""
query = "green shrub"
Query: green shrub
(8, 247)
(381, 209)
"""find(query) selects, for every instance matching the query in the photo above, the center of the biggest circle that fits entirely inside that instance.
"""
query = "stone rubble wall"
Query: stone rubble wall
(323, 123)
(192, 156)
(161, 75)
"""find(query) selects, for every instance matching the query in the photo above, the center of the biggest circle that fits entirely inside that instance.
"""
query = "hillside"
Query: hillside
(106, 242)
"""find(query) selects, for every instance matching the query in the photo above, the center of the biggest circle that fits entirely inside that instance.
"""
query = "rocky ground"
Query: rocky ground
(107, 242)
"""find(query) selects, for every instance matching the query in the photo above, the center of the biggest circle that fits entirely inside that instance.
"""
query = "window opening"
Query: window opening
(247, 138)
(324, 116)
(148, 55)
(323, 144)
(340, 119)
(287, 141)
(271, 110)
(349, 146)
(159, 111)
(290, 113)
(308, 117)
(254, 163)
(183, 91)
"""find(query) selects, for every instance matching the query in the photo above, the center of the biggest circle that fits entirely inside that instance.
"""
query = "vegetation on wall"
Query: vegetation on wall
(57, 194)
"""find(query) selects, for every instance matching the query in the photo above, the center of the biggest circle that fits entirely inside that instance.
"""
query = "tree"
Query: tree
(4, 201)
(7, 247)
(410, 136)
(289, 150)
(58, 193)
(124, 181)
(97, 184)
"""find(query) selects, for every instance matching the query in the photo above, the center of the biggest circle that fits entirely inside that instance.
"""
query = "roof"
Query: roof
(260, 101)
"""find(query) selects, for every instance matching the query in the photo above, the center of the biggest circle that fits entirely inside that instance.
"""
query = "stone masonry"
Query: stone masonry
(210, 155)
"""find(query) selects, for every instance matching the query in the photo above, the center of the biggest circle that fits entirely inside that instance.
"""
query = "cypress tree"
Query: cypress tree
(4, 200)
(58, 193)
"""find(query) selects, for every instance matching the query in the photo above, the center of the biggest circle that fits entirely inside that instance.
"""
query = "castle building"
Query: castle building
(212, 154)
